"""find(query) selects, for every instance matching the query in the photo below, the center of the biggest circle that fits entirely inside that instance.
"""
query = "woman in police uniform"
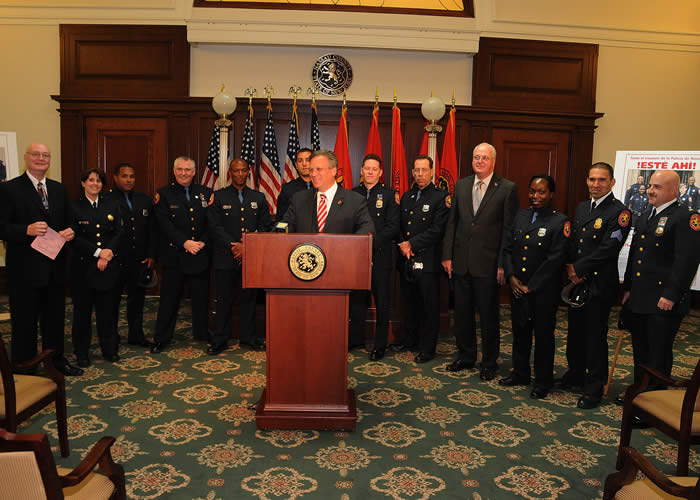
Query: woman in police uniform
(533, 260)
(95, 268)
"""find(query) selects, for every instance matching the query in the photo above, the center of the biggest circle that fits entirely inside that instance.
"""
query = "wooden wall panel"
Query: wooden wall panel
(127, 61)
(535, 75)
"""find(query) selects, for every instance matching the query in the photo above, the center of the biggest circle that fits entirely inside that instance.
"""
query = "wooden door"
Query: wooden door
(142, 142)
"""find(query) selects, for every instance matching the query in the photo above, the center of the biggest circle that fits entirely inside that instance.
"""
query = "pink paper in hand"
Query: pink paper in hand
(49, 244)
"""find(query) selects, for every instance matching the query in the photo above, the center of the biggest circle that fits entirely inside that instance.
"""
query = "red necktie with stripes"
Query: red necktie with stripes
(322, 213)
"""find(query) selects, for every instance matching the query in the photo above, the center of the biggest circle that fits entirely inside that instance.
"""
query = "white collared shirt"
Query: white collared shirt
(665, 206)
(600, 200)
(36, 181)
(330, 194)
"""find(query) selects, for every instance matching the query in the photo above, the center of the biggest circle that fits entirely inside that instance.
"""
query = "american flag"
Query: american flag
(270, 180)
(248, 148)
(211, 172)
(315, 133)
(290, 171)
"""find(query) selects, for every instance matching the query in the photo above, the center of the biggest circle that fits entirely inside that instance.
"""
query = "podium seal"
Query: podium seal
(307, 262)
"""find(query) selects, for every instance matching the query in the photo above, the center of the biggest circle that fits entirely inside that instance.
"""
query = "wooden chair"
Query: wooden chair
(623, 485)
(28, 471)
(675, 412)
(21, 396)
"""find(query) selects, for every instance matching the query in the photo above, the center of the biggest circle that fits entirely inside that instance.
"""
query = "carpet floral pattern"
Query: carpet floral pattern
(185, 427)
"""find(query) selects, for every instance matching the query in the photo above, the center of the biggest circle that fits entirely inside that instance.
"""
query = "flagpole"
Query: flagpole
(224, 104)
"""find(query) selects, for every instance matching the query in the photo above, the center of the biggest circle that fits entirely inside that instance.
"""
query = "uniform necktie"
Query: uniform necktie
(42, 195)
(593, 205)
(308, 185)
(240, 197)
(187, 193)
(94, 204)
(322, 213)
(368, 194)
(418, 195)
(477, 195)
(534, 216)
(653, 213)
(128, 201)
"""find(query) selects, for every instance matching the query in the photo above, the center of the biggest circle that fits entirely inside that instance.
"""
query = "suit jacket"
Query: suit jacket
(663, 259)
(180, 220)
(384, 212)
(140, 230)
(475, 241)
(536, 251)
(96, 229)
(20, 205)
(347, 215)
(289, 189)
(228, 219)
(596, 239)
(423, 225)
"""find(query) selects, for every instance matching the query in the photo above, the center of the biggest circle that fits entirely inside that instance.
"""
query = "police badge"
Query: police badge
(598, 223)
(332, 74)
(254, 205)
(541, 232)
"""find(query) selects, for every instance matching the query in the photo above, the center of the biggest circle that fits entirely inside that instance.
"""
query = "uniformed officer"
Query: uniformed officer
(638, 203)
(236, 209)
(289, 189)
(662, 261)
(533, 259)
(138, 248)
(694, 192)
(181, 212)
(384, 210)
(95, 268)
(633, 189)
(598, 232)
(684, 197)
(424, 210)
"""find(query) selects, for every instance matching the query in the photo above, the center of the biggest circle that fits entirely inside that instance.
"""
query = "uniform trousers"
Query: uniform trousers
(532, 314)
(421, 308)
(480, 294)
(587, 346)
(29, 305)
(84, 299)
(135, 298)
(652, 343)
(359, 302)
(227, 280)
(170, 293)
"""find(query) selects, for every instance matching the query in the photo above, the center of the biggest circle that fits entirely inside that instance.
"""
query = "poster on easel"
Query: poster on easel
(633, 169)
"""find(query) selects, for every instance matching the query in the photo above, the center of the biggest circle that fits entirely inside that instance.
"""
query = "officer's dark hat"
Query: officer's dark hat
(576, 295)
(148, 277)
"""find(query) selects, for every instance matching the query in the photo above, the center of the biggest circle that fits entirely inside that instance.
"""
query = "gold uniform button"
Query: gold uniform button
(242, 219)
(97, 235)
(411, 212)
(97, 226)
(99, 244)
(525, 247)
(192, 229)
(583, 229)
(132, 218)
(242, 209)
(643, 236)
(191, 209)
(134, 238)
(657, 244)
(409, 222)
(133, 227)
(378, 214)
(595, 236)
(595, 273)
(524, 269)
(638, 274)
(192, 238)
(408, 234)
(581, 240)
(539, 244)
(659, 282)
(579, 251)
(639, 261)
(527, 236)
(524, 258)
(226, 214)
(641, 249)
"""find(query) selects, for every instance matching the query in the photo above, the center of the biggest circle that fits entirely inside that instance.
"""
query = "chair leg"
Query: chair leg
(683, 456)
(625, 435)
(62, 424)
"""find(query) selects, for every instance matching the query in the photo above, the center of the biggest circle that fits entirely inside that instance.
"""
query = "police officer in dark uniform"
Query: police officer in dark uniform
(95, 268)
(533, 260)
(181, 212)
(424, 211)
(684, 197)
(289, 189)
(633, 189)
(381, 202)
(638, 203)
(236, 209)
(598, 232)
(138, 248)
(694, 192)
(663, 259)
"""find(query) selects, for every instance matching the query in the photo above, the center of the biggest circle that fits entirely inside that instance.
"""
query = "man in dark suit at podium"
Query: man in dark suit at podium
(329, 207)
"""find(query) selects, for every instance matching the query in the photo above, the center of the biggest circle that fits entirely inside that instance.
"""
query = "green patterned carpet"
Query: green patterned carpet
(185, 428)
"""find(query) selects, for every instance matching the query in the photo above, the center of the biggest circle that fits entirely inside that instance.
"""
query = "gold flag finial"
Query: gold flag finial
(250, 92)
(295, 90)
(376, 97)
(395, 98)
(268, 93)
(312, 92)
(453, 98)
(345, 101)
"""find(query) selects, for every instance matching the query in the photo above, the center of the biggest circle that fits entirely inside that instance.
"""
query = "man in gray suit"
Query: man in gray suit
(480, 220)
(329, 207)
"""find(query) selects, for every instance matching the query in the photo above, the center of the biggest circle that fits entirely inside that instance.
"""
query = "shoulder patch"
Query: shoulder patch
(156, 199)
(695, 222)
(448, 201)
(624, 218)
(567, 229)
(211, 199)
(397, 198)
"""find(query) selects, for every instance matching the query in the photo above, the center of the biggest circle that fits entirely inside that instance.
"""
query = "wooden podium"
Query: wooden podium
(307, 325)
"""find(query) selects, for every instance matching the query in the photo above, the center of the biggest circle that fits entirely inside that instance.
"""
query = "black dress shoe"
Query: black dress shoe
(586, 402)
(140, 343)
(639, 423)
(259, 346)
(539, 392)
(562, 384)
(112, 358)
(620, 401)
(458, 365)
(83, 361)
(487, 374)
(423, 357)
(67, 369)
(158, 347)
(376, 354)
(512, 380)
(213, 350)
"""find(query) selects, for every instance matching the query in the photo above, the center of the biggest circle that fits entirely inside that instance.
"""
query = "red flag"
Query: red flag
(447, 174)
(424, 151)
(374, 143)
(399, 174)
(341, 150)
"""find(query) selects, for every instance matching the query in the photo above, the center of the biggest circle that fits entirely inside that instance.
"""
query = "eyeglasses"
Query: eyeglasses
(477, 158)
(36, 155)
